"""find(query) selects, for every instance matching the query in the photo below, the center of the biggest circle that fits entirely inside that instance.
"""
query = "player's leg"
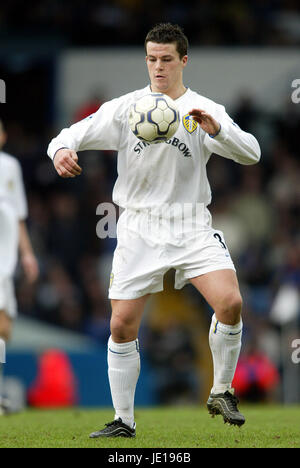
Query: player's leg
(124, 356)
(123, 365)
(221, 290)
(137, 271)
(126, 318)
(5, 333)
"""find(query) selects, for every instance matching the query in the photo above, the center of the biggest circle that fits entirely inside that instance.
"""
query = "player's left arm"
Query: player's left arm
(27, 257)
(226, 138)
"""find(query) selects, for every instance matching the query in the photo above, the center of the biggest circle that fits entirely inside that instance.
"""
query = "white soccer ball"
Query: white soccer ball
(154, 118)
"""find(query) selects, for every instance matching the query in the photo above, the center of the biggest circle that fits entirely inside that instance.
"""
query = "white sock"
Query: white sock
(123, 372)
(2, 361)
(225, 344)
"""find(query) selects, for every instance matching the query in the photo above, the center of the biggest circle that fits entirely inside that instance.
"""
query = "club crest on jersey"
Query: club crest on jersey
(189, 123)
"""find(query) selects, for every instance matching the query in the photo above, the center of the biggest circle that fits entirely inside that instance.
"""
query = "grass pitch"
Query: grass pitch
(266, 426)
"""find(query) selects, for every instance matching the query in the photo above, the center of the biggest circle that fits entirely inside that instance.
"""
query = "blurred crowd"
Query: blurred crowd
(111, 22)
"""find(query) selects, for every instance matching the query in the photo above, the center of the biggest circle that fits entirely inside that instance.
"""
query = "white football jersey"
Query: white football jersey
(13, 208)
(150, 176)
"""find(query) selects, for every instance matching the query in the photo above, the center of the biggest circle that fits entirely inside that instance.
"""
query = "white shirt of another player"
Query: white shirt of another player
(13, 208)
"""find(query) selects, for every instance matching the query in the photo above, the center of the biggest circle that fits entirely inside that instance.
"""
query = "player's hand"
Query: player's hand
(31, 267)
(206, 121)
(65, 163)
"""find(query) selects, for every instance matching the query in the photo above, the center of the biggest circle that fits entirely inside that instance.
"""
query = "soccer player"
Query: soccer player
(13, 236)
(153, 176)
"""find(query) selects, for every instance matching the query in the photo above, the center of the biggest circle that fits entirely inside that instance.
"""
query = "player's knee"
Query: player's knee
(118, 330)
(122, 330)
(230, 310)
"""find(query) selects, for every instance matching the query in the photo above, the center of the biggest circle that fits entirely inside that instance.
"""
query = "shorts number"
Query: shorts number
(219, 238)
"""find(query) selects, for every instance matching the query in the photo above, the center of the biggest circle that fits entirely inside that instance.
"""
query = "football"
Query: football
(154, 118)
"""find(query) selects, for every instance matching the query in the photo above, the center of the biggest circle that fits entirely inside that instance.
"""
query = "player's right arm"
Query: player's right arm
(65, 163)
(99, 131)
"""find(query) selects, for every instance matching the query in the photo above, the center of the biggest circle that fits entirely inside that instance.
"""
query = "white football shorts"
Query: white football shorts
(7, 297)
(141, 261)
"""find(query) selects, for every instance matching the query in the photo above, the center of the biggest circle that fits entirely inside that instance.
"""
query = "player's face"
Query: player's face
(165, 67)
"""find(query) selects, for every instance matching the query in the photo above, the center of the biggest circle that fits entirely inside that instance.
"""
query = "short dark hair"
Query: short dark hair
(166, 33)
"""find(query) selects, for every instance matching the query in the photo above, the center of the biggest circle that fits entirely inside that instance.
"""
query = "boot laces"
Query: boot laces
(232, 401)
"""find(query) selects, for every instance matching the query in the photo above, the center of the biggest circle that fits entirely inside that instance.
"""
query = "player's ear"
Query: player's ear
(184, 60)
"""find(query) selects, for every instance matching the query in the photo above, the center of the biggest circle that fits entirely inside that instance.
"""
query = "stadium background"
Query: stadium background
(60, 61)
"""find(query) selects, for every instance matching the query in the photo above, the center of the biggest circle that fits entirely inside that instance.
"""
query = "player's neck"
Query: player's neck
(173, 93)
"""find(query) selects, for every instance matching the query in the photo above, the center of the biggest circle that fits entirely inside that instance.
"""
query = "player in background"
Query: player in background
(155, 176)
(13, 237)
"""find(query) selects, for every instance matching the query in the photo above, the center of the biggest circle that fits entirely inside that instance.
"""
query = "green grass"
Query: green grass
(162, 427)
